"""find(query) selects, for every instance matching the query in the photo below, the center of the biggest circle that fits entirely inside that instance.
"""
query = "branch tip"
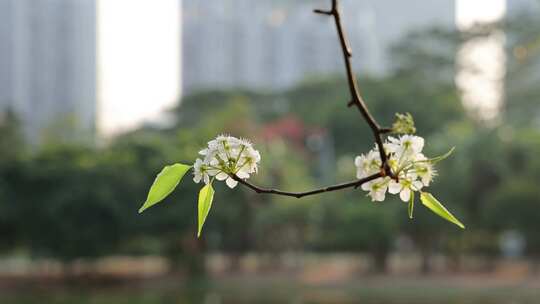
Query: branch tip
(323, 12)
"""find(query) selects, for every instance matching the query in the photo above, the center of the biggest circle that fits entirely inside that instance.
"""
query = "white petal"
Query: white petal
(411, 176)
(212, 172)
(197, 165)
(393, 148)
(360, 173)
(233, 154)
(420, 156)
(197, 178)
(213, 162)
(256, 156)
(206, 179)
(366, 186)
(242, 174)
(231, 182)
(417, 185)
(378, 196)
(222, 176)
(405, 194)
(418, 143)
(393, 140)
(394, 187)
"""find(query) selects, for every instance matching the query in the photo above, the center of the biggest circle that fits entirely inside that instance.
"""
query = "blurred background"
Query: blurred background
(97, 96)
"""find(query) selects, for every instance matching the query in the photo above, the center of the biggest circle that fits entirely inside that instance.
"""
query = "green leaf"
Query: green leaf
(434, 205)
(206, 196)
(165, 182)
(411, 205)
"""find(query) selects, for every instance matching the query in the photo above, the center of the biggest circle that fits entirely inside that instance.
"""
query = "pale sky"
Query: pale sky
(138, 61)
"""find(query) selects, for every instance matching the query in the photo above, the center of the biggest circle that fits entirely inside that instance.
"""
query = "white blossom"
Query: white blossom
(368, 164)
(412, 169)
(424, 169)
(377, 188)
(406, 146)
(404, 187)
(200, 172)
(225, 157)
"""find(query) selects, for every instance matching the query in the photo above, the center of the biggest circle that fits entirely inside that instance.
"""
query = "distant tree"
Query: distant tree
(12, 152)
(12, 144)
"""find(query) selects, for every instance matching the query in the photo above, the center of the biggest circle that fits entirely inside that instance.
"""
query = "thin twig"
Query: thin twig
(356, 97)
(352, 184)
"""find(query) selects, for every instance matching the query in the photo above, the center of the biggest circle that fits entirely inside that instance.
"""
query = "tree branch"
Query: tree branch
(356, 97)
(352, 184)
(356, 100)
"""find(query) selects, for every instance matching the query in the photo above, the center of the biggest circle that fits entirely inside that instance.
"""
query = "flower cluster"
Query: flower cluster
(224, 157)
(412, 169)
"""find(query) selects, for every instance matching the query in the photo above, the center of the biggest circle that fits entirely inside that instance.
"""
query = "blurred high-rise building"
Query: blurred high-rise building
(522, 6)
(277, 44)
(66, 63)
(484, 64)
(47, 65)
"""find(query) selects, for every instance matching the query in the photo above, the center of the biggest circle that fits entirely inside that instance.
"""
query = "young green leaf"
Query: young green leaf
(442, 157)
(434, 205)
(404, 124)
(206, 196)
(411, 205)
(165, 182)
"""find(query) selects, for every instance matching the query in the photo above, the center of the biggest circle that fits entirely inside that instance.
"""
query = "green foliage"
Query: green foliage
(12, 146)
(206, 196)
(165, 183)
(73, 209)
(434, 205)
